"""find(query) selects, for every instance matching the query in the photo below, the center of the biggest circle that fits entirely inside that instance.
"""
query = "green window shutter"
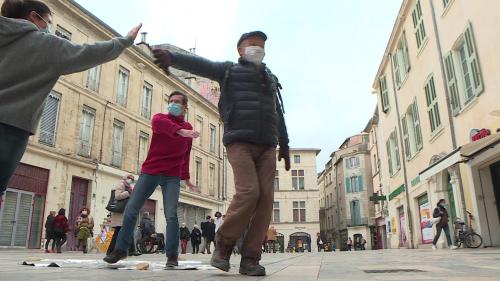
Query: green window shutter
(347, 185)
(396, 150)
(416, 125)
(384, 93)
(406, 53)
(389, 160)
(397, 69)
(360, 183)
(437, 117)
(473, 60)
(406, 137)
(430, 110)
(451, 79)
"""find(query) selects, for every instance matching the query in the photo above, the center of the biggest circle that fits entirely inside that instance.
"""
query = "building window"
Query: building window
(401, 61)
(432, 105)
(354, 184)
(298, 179)
(384, 93)
(117, 144)
(49, 119)
(392, 148)
(375, 164)
(63, 33)
(299, 211)
(213, 137)
(121, 94)
(211, 179)
(469, 83)
(276, 212)
(296, 159)
(93, 78)
(147, 96)
(277, 181)
(198, 172)
(418, 24)
(199, 128)
(352, 162)
(412, 135)
(86, 131)
(143, 149)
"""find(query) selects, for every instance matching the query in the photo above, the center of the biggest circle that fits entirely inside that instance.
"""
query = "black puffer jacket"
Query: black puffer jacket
(248, 105)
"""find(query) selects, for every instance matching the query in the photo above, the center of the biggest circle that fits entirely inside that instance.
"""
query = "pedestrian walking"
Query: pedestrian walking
(349, 244)
(166, 165)
(83, 229)
(363, 243)
(123, 190)
(219, 220)
(441, 212)
(60, 229)
(32, 62)
(271, 239)
(205, 233)
(195, 239)
(49, 232)
(319, 243)
(184, 236)
(253, 126)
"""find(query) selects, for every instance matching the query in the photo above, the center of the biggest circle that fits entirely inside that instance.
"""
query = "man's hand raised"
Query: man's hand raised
(163, 58)
(132, 34)
(284, 153)
(188, 133)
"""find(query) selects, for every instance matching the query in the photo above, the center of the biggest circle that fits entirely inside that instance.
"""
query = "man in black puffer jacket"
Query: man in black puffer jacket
(253, 126)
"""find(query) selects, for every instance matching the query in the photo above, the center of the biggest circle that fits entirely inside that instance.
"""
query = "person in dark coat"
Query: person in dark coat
(205, 233)
(184, 236)
(250, 107)
(60, 229)
(49, 232)
(195, 239)
(441, 212)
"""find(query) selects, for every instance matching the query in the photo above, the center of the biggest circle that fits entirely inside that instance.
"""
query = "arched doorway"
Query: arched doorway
(301, 241)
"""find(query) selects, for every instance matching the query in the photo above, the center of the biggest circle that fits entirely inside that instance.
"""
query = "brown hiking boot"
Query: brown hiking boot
(221, 256)
(172, 261)
(251, 267)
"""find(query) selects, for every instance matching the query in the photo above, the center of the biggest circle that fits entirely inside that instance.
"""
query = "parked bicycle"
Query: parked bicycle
(466, 235)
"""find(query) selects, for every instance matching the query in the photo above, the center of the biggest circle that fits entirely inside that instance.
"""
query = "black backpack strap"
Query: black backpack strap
(224, 98)
(278, 89)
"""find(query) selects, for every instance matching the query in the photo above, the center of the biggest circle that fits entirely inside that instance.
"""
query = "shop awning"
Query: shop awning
(461, 154)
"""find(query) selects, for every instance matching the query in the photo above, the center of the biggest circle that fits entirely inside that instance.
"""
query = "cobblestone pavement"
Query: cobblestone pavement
(458, 265)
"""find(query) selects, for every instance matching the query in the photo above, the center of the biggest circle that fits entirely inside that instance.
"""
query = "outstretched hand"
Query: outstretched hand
(188, 133)
(163, 59)
(284, 153)
(132, 34)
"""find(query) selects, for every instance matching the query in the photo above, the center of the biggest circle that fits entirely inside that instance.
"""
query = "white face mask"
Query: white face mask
(130, 181)
(84, 213)
(254, 54)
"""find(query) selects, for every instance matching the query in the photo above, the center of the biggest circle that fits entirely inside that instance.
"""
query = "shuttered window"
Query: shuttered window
(143, 149)
(147, 96)
(412, 134)
(432, 105)
(49, 119)
(384, 93)
(451, 80)
(211, 179)
(117, 143)
(86, 131)
(392, 147)
(418, 24)
(93, 78)
(122, 91)
(401, 60)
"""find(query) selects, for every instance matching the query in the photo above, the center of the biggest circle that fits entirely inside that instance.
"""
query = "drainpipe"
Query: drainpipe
(403, 163)
(448, 109)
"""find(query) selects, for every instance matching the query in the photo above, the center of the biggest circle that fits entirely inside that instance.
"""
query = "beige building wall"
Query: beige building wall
(285, 195)
(62, 159)
(446, 26)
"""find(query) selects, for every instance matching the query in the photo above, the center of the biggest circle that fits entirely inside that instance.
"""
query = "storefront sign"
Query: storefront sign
(377, 198)
(477, 134)
(415, 181)
(396, 192)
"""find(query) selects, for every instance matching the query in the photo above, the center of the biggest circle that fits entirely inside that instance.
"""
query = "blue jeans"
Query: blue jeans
(446, 229)
(145, 186)
(13, 142)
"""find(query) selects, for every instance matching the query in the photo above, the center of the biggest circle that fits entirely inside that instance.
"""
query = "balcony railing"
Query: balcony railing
(356, 221)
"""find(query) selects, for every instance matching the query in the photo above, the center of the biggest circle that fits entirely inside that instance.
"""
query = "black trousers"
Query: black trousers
(47, 242)
(195, 246)
(60, 240)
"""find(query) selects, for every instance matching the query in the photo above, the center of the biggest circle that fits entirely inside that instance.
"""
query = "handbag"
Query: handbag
(435, 220)
(116, 206)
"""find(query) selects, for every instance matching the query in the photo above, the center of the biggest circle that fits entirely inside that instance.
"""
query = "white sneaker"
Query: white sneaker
(434, 247)
(453, 247)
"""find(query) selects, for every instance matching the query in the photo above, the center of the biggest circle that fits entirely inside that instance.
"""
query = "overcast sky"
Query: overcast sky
(326, 53)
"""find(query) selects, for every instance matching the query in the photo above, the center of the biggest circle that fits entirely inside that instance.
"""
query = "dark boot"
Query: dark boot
(251, 267)
(221, 256)
(115, 256)
(172, 261)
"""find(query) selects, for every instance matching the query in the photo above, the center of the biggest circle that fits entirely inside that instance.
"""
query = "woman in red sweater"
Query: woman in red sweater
(166, 165)
(60, 228)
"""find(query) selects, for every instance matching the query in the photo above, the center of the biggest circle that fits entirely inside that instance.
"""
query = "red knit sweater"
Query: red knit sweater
(168, 153)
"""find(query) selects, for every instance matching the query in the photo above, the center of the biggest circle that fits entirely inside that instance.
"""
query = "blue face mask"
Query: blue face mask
(46, 29)
(174, 109)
